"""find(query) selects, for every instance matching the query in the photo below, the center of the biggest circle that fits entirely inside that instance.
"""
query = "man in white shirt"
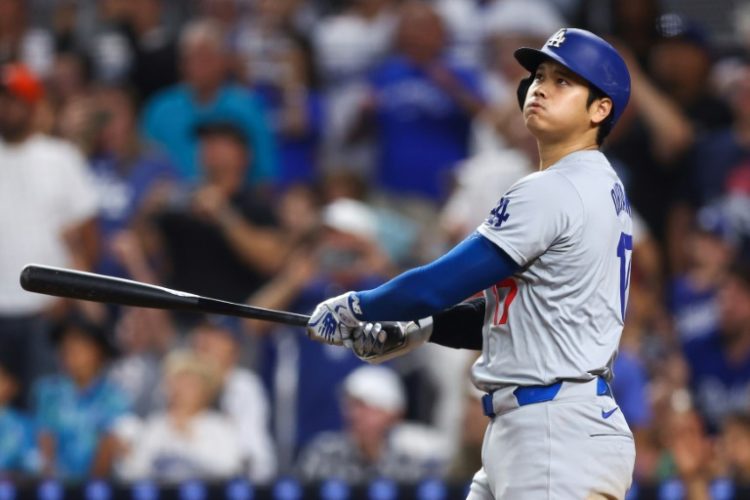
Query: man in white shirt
(47, 208)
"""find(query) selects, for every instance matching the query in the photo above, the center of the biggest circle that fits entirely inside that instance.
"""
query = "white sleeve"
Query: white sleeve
(538, 211)
(79, 186)
(246, 402)
(221, 434)
(136, 464)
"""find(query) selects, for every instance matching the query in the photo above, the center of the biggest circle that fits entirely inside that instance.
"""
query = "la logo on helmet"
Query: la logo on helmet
(557, 39)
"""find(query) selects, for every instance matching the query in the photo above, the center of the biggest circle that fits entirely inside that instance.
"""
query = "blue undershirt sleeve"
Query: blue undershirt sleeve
(471, 266)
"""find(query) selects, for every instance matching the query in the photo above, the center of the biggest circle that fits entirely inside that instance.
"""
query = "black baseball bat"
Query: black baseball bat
(100, 288)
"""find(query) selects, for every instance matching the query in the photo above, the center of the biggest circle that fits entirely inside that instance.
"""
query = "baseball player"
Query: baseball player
(553, 259)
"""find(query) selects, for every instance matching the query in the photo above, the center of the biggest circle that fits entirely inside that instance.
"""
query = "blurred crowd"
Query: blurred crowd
(279, 152)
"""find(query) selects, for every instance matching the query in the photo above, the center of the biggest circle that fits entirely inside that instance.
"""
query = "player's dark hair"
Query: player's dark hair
(606, 126)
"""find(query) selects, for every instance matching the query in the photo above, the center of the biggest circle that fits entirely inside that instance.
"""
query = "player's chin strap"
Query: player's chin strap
(376, 342)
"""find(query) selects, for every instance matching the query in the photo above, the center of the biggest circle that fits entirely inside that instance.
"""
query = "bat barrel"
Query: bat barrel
(108, 289)
(93, 287)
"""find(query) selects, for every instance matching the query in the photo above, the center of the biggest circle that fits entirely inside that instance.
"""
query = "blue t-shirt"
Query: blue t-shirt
(77, 419)
(170, 119)
(422, 131)
(718, 386)
(695, 312)
(297, 154)
(713, 157)
(121, 194)
(17, 446)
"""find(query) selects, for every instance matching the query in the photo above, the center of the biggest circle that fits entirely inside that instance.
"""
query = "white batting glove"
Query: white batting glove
(333, 321)
(376, 342)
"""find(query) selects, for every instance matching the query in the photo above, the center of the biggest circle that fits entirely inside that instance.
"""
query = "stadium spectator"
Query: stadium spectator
(188, 440)
(20, 43)
(301, 374)
(276, 63)
(144, 336)
(736, 444)
(647, 149)
(717, 153)
(171, 116)
(689, 454)
(47, 209)
(76, 410)
(242, 396)
(680, 62)
(18, 451)
(348, 45)
(375, 441)
(220, 239)
(68, 100)
(421, 108)
(693, 294)
(129, 42)
(719, 363)
(153, 47)
(125, 171)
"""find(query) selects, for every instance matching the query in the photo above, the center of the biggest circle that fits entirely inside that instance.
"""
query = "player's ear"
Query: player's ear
(600, 109)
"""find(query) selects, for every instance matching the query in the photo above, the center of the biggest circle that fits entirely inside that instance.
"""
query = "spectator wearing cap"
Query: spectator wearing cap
(375, 441)
(693, 295)
(301, 374)
(18, 452)
(77, 410)
(188, 440)
(220, 239)
(171, 116)
(47, 216)
(719, 363)
(242, 396)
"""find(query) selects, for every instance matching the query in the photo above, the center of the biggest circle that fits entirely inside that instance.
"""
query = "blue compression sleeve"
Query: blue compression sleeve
(471, 266)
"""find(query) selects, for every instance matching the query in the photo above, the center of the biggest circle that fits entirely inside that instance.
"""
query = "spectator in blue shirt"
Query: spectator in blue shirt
(693, 294)
(720, 363)
(76, 410)
(17, 449)
(125, 172)
(721, 150)
(422, 106)
(204, 95)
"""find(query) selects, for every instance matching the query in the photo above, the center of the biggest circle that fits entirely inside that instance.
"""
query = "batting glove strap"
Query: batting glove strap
(333, 321)
(379, 342)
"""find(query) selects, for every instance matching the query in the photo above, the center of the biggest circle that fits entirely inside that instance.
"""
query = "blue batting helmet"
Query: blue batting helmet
(586, 55)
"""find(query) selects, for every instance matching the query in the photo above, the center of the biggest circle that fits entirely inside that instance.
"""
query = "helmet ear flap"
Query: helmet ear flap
(523, 89)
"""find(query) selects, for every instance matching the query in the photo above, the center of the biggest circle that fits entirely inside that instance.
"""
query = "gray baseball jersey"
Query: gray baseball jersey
(561, 315)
